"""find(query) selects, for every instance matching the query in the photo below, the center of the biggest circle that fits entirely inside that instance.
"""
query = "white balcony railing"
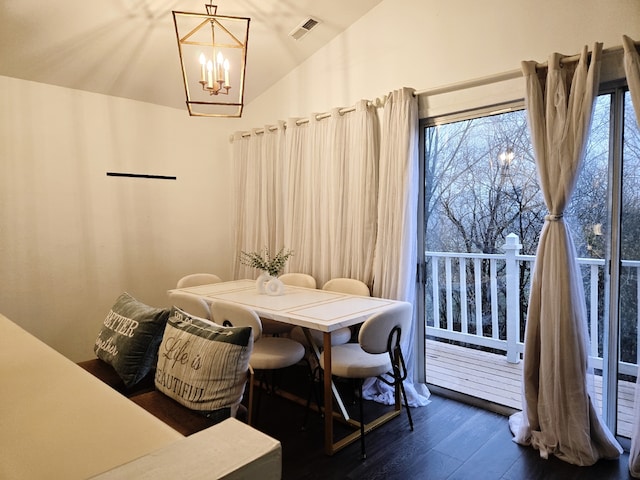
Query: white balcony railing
(486, 312)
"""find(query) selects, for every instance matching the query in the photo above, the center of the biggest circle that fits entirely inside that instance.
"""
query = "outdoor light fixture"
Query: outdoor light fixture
(213, 57)
(506, 158)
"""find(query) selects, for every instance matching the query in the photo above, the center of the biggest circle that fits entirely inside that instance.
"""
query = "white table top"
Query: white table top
(312, 308)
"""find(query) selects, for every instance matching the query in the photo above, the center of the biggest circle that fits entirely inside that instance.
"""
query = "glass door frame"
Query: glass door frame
(611, 340)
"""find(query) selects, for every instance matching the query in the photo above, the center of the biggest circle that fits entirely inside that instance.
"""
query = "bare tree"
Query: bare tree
(483, 185)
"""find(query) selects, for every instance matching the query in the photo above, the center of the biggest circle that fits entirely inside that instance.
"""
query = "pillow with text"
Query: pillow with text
(129, 338)
(202, 365)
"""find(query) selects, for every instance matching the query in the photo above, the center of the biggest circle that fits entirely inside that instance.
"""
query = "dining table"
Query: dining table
(311, 309)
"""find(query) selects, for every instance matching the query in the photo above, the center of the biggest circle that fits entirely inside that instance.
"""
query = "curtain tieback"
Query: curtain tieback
(553, 218)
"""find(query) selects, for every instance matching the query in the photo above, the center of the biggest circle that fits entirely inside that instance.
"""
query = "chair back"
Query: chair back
(231, 314)
(382, 329)
(191, 304)
(195, 279)
(347, 285)
(298, 280)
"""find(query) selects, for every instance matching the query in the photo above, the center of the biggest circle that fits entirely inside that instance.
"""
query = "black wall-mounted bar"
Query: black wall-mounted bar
(141, 175)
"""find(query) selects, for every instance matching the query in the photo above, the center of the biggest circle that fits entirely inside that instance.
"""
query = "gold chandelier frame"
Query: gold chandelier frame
(213, 58)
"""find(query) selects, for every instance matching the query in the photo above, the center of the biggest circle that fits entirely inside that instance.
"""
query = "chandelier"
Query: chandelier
(213, 56)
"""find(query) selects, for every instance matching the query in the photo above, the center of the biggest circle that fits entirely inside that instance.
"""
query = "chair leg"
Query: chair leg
(406, 402)
(263, 385)
(250, 406)
(254, 399)
(398, 365)
(312, 391)
(364, 454)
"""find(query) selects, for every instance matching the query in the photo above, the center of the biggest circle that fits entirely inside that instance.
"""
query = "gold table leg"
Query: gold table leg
(328, 399)
(331, 447)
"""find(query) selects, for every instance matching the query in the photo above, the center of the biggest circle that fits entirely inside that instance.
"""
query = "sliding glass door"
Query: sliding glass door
(623, 258)
(483, 212)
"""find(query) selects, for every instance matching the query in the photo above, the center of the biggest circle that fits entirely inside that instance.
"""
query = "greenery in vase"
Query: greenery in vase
(263, 260)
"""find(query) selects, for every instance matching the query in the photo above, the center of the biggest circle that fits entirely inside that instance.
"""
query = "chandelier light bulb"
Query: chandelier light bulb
(219, 63)
(226, 72)
(203, 62)
(210, 70)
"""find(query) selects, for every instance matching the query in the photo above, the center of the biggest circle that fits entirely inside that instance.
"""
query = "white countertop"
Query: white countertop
(59, 421)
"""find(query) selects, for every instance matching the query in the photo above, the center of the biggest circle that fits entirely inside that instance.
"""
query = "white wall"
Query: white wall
(71, 238)
(425, 44)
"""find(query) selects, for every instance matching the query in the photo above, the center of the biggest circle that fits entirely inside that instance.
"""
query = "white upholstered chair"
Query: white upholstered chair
(273, 327)
(269, 353)
(344, 285)
(338, 337)
(298, 280)
(341, 285)
(377, 354)
(195, 279)
(347, 285)
(191, 304)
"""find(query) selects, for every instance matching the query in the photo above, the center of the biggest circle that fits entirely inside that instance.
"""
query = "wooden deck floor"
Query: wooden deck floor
(491, 378)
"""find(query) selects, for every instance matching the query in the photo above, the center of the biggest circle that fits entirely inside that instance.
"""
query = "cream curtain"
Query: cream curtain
(345, 202)
(299, 171)
(395, 260)
(260, 192)
(310, 187)
(333, 207)
(396, 250)
(559, 416)
(632, 69)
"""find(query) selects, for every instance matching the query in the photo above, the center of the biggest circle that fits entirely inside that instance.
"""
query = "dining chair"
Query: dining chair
(269, 353)
(191, 304)
(347, 285)
(342, 285)
(272, 327)
(338, 337)
(195, 279)
(298, 280)
(376, 354)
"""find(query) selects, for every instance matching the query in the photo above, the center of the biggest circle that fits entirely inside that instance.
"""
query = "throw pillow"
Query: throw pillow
(129, 338)
(202, 365)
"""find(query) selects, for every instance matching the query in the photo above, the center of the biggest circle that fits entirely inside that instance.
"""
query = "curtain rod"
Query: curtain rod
(474, 82)
(503, 76)
(376, 103)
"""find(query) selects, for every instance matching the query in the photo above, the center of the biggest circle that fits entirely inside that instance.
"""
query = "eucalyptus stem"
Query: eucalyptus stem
(263, 260)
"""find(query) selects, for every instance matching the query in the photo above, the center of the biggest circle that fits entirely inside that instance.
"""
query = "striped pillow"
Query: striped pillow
(202, 365)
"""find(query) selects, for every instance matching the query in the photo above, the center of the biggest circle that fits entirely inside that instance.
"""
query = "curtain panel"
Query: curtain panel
(333, 195)
(559, 415)
(632, 70)
(397, 246)
(258, 211)
(310, 187)
(323, 189)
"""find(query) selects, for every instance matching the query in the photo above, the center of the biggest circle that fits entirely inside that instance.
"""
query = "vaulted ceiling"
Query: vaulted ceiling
(127, 48)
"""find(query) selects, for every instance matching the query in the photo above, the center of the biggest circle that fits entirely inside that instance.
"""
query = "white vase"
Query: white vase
(274, 286)
(261, 282)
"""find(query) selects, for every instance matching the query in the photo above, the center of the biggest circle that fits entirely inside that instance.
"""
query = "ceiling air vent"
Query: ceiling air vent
(304, 28)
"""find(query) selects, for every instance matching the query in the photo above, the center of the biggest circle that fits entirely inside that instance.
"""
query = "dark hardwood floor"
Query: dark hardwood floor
(451, 440)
